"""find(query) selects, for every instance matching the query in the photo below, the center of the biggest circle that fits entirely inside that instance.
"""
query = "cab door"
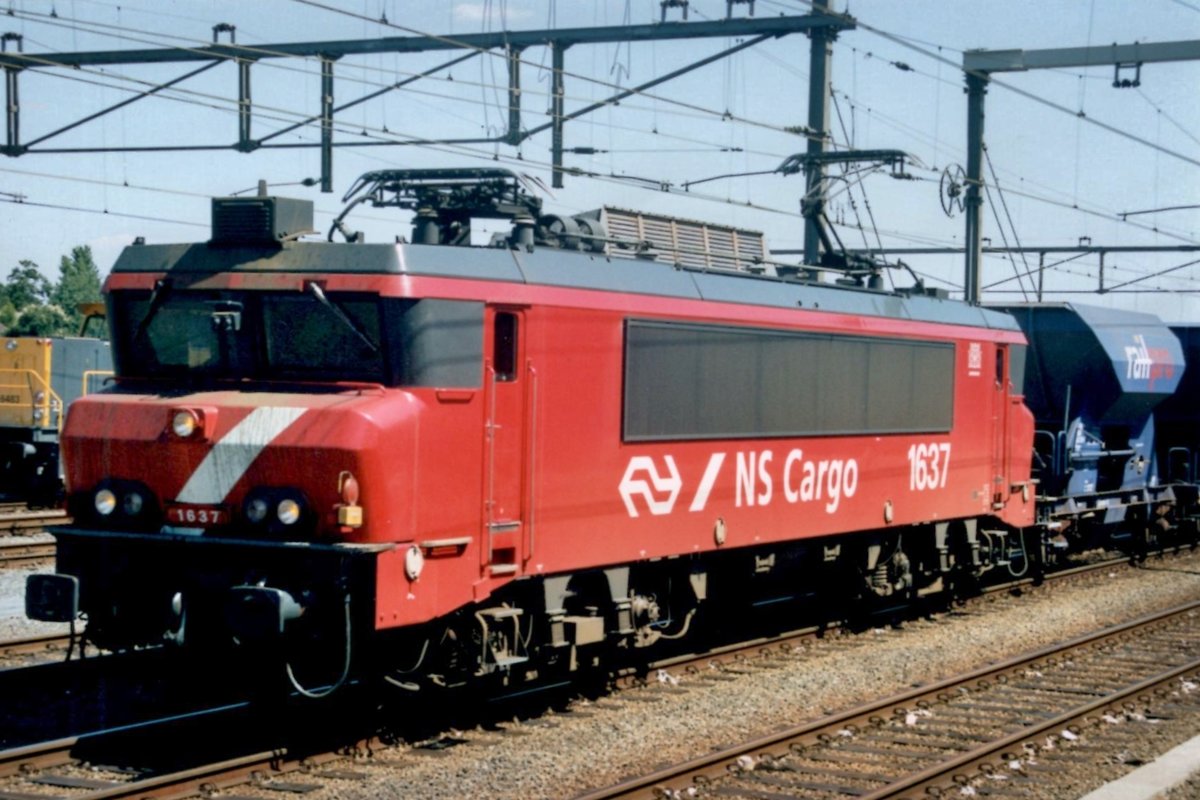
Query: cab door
(506, 431)
(1001, 446)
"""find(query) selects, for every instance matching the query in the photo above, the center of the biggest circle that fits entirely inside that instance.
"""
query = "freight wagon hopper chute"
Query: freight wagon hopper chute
(1093, 378)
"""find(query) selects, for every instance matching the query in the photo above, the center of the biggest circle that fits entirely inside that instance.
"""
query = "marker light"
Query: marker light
(349, 512)
(288, 511)
(106, 502)
(256, 510)
(349, 489)
(184, 423)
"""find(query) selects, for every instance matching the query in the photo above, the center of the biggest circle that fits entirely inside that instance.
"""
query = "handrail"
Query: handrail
(1049, 435)
(88, 374)
(33, 381)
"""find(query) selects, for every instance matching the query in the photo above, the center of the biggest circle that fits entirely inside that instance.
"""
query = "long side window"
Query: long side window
(687, 381)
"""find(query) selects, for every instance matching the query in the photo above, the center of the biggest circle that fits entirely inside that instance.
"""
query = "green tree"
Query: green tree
(8, 314)
(27, 286)
(79, 282)
(42, 320)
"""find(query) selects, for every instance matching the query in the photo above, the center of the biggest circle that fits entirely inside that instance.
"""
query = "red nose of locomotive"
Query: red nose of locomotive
(279, 467)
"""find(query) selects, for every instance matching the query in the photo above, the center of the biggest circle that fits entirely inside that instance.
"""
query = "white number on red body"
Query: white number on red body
(197, 516)
(928, 466)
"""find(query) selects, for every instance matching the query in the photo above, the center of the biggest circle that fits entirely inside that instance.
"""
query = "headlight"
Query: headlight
(288, 511)
(118, 503)
(279, 512)
(133, 504)
(256, 510)
(106, 502)
(183, 424)
(39, 397)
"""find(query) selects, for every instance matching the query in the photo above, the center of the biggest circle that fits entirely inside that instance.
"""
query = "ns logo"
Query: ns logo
(642, 479)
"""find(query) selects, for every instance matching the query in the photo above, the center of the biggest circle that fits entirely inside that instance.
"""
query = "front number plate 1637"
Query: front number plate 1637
(197, 516)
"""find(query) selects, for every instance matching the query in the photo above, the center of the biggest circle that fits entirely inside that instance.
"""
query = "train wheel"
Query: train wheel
(1141, 537)
(455, 656)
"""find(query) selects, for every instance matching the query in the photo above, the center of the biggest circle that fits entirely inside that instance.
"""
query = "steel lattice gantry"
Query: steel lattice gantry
(511, 44)
(978, 68)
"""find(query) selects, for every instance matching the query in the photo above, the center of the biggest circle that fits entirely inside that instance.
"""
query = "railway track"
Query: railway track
(1002, 723)
(16, 551)
(50, 643)
(17, 519)
(58, 765)
(51, 766)
(771, 647)
(20, 529)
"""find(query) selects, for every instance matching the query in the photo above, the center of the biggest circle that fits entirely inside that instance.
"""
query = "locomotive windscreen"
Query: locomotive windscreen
(685, 381)
(243, 335)
(306, 336)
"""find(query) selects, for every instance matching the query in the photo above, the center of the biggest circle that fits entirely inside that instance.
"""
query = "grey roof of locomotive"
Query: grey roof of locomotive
(547, 266)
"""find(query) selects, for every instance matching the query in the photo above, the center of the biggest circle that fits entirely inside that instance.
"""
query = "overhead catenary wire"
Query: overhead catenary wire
(402, 28)
(1174, 122)
(1008, 216)
(908, 130)
(850, 194)
(259, 52)
(1031, 272)
(229, 105)
(352, 132)
(909, 43)
(1154, 274)
(104, 211)
(920, 136)
(615, 86)
(594, 175)
(231, 102)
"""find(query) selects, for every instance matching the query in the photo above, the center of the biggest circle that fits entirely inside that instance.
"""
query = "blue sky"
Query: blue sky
(1061, 176)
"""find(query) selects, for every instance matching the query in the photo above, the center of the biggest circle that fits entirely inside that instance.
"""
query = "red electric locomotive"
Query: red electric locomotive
(462, 461)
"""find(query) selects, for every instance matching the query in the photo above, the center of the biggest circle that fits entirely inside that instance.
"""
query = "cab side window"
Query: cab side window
(504, 346)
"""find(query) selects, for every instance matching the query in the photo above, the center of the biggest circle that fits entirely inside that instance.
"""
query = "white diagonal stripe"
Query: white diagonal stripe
(706, 483)
(229, 458)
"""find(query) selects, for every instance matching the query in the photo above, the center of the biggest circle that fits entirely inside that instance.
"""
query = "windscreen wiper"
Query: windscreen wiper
(162, 288)
(316, 292)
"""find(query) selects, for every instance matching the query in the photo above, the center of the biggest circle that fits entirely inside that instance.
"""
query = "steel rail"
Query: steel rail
(262, 768)
(24, 520)
(773, 645)
(715, 764)
(201, 781)
(48, 642)
(42, 755)
(944, 772)
(18, 552)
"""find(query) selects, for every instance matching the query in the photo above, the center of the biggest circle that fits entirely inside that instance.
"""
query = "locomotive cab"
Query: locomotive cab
(261, 433)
